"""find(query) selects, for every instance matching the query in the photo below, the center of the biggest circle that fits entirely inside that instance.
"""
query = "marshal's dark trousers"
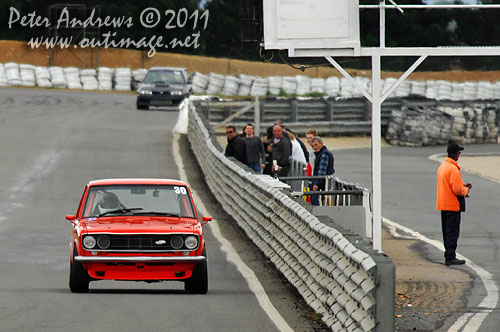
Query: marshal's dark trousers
(450, 224)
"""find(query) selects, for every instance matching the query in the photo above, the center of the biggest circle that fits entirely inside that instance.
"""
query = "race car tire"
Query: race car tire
(79, 279)
(142, 107)
(198, 283)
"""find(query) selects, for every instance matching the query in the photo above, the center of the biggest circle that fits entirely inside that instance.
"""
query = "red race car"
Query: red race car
(140, 230)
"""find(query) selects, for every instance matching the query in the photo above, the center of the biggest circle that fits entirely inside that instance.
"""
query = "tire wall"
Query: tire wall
(351, 286)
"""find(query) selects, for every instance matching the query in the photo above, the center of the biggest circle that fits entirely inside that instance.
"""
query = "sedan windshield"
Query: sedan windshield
(165, 76)
(161, 200)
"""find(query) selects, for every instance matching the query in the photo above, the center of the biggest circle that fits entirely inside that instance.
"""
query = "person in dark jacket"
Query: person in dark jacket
(256, 156)
(323, 165)
(236, 146)
(280, 148)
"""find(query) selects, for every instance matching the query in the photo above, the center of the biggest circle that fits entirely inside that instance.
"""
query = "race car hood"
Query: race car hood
(139, 225)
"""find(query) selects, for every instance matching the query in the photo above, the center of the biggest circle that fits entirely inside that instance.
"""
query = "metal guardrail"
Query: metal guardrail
(350, 285)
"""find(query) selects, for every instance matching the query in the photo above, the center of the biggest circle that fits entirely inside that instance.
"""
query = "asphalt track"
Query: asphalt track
(51, 144)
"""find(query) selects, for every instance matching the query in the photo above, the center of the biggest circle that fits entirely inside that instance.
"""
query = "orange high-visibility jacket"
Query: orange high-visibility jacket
(449, 186)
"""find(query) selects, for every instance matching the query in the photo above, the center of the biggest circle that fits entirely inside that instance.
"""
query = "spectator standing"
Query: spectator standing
(256, 156)
(309, 136)
(450, 200)
(324, 165)
(297, 152)
(236, 146)
(280, 149)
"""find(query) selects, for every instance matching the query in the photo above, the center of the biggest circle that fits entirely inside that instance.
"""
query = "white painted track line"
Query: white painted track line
(468, 322)
(232, 256)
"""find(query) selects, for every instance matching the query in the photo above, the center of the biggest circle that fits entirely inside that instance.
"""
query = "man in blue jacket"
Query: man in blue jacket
(323, 165)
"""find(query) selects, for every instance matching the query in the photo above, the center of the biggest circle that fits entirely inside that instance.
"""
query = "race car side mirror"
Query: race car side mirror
(205, 220)
(70, 218)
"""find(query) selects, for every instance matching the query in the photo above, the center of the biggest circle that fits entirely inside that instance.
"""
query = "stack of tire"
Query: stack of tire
(57, 77)
(3, 76)
(215, 84)
(474, 124)
(231, 85)
(123, 79)
(105, 78)
(73, 78)
(332, 86)
(275, 85)
(138, 75)
(43, 78)
(419, 126)
(318, 85)
(200, 83)
(289, 85)
(12, 73)
(27, 73)
(245, 87)
(259, 87)
(88, 77)
(303, 85)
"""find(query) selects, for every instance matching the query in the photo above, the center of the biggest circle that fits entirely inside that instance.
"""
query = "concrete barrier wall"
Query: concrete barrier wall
(341, 278)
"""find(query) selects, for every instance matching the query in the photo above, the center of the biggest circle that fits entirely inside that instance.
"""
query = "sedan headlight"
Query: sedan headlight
(103, 242)
(191, 242)
(177, 93)
(145, 92)
(89, 242)
(176, 242)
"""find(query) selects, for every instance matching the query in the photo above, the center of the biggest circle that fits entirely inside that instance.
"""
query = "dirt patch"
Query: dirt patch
(20, 52)
(426, 292)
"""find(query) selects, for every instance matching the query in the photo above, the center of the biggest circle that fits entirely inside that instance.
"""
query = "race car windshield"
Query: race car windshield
(155, 200)
(165, 76)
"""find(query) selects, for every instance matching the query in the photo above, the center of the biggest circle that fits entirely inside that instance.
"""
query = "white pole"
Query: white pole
(257, 116)
(376, 154)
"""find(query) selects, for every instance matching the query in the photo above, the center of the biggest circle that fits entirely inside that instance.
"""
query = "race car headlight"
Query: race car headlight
(89, 242)
(103, 242)
(177, 93)
(145, 92)
(191, 242)
(176, 242)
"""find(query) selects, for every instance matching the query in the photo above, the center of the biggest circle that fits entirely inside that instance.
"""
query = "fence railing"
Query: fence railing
(341, 278)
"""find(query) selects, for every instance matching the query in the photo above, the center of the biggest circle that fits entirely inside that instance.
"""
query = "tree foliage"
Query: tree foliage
(414, 28)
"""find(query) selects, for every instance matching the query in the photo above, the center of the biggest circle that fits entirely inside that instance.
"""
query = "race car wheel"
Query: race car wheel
(198, 283)
(142, 107)
(78, 277)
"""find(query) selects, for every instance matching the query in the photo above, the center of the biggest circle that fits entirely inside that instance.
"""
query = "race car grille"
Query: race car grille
(142, 242)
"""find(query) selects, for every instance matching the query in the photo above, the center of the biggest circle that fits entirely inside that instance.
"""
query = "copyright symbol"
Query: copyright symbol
(150, 17)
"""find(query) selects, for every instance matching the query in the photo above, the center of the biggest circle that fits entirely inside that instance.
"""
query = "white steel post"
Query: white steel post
(257, 116)
(376, 154)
